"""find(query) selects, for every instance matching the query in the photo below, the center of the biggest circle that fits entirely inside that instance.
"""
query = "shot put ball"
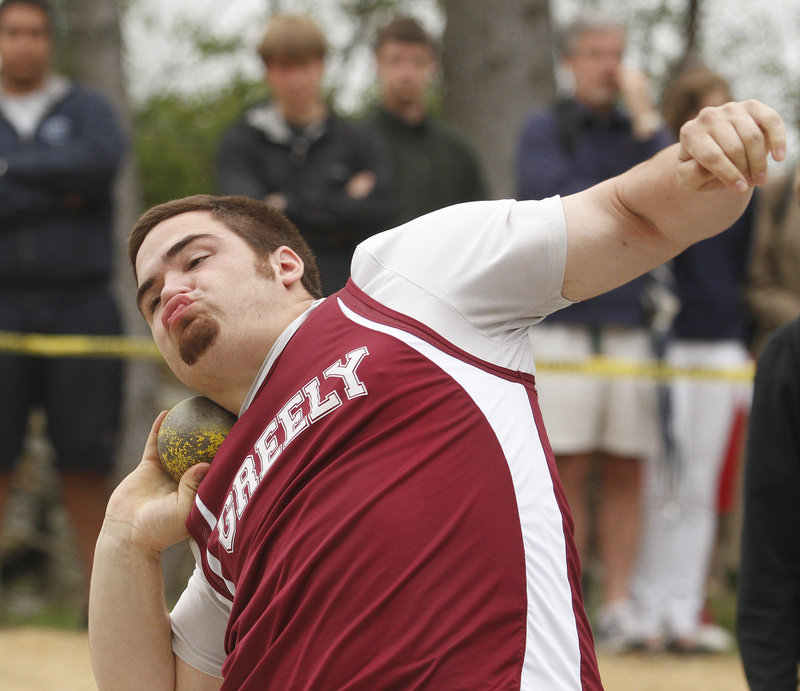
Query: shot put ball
(191, 432)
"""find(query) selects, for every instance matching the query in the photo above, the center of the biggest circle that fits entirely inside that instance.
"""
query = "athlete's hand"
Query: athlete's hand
(728, 146)
(148, 508)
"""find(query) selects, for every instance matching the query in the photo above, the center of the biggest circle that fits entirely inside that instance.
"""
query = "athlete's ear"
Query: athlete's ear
(288, 265)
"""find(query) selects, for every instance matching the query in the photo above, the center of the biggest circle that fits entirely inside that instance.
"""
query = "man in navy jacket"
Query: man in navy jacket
(607, 125)
(60, 147)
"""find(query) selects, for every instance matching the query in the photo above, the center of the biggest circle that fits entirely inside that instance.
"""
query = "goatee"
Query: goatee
(198, 336)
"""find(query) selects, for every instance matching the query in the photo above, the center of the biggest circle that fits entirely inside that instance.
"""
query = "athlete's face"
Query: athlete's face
(214, 308)
(26, 46)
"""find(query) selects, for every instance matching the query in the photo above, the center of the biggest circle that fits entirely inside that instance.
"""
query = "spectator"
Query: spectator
(60, 146)
(768, 614)
(329, 176)
(703, 417)
(433, 167)
(576, 143)
(773, 274)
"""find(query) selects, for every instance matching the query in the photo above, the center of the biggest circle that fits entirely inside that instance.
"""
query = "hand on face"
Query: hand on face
(360, 185)
(729, 146)
(634, 88)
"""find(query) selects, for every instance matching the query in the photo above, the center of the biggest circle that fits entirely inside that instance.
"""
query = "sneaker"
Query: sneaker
(709, 639)
(615, 629)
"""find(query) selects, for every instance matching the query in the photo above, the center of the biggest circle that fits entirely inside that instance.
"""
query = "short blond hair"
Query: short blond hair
(292, 38)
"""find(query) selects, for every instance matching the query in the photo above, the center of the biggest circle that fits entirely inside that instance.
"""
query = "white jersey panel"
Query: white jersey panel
(552, 653)
(481, 274)
(199, 621)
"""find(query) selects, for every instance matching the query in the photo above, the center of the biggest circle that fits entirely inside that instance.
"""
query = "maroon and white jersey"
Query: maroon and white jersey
(385, 513)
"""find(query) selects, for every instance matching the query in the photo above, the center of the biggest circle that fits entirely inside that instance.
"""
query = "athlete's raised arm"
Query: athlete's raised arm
(629, 224)
(129, 627)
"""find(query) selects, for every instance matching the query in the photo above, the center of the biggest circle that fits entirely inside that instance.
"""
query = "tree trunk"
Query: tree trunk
(96, 54)
(692, 27)
(498, 65)
(97, 58)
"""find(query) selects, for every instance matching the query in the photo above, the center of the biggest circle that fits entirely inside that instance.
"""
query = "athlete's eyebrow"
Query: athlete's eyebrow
(169, 254)
(141, 292)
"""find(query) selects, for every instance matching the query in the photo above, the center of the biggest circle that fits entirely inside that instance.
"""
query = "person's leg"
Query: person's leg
(85, 496)
(618, 522)
(630, 435)
(658, 553)
(650, 581)
(573, 469)
(16, 389)
(704, 417)
(83, 403)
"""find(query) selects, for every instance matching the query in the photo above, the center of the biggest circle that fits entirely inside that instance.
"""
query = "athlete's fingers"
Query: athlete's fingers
(708, 140)
(187, 488)
(151, 447)
(732, 142)
(694, 176)
(771, 125)
(703, 164)
(756, 141)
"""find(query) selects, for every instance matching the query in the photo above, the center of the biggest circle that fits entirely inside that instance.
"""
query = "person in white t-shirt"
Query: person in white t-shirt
(385, 513)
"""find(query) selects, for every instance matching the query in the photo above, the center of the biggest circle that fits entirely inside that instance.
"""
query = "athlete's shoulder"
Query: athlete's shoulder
(461, 233)
(479, 273)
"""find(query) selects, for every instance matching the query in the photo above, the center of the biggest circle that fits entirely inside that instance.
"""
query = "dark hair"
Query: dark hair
(685, 94)
(292, 38)
(42, 5)
(405, 30)
(258, 224)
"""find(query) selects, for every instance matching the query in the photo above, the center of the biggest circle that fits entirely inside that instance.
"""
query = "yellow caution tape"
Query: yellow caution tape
(133, 347)
(47, 345)
(603, 366)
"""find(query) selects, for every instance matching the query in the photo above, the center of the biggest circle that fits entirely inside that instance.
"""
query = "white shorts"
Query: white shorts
(585, 412)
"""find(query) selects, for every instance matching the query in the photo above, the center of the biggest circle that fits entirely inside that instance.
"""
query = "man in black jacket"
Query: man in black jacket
(60, 147)
(768, 623)
(432, 166)
(328, 175)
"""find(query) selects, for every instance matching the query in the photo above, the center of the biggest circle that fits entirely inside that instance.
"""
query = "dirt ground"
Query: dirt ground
(36, 659)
